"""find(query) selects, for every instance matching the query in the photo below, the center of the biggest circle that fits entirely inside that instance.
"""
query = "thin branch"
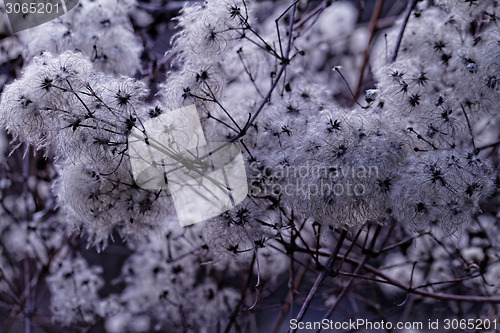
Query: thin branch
(470, 128)
(267, 98)
(289, 300)
(366, 53)
(491, 145)
(344, 291)
(315, 12)
(439, 296)
(237, 308)
(326, 271)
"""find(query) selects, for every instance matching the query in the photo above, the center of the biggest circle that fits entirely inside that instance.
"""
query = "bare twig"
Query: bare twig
(27, 317)
(409, 8)
(289, 300)
(440, 296)
(470, 129)
(320, 278)
(237, 308)
(344, 291)
(285, 63)
(313, 13)
(366, 53)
